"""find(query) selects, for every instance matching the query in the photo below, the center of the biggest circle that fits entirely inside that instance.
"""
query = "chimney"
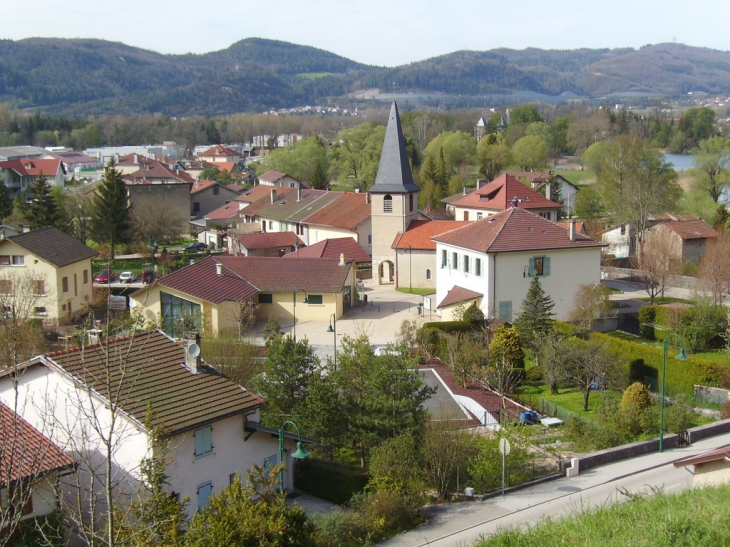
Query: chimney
(192, 352)
(299, 192)
(273, 195)
(549, 191)
(135, 160)
(367, 198)
(481, 183)
(342, 259)
(571, 233)
(219, 269)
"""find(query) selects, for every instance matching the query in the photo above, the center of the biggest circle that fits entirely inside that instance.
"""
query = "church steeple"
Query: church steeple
(394, 172)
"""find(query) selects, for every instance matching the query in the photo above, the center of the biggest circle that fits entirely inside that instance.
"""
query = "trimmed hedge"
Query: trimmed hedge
(333, 482)
(452, 326)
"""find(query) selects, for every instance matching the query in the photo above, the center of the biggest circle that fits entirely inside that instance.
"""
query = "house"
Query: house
(220, 153)
(492, 261)
(209, 195)
(30, 464)
(131, 163)
(347, 215)
(19, 175)
(261, 199)
(710, 469)
(272, 244)
(224, 216)
(215, 291)
(539, 181)
(689, 234)
(619, 240)
(53, 266)
(415, 252)
(274, 178)
(75, 162)
(499, 195)
(333, 248)
(210, 422)
(157, 172)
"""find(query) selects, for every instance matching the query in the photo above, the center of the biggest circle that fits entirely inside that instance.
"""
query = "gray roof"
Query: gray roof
(18, 152)
(394, 171)
(53, 246)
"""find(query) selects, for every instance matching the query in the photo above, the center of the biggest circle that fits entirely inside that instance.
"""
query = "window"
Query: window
(6, 286)
(545, 215)
(39, 287)
(539, 266)
(410, 202)
(86, 277)
(216, 190)
(205, 491)
(76, 285)
(623, 230)
(203, 442)
(505, 311)
(64, 284)
(388, 204)
(455, 261)
(370, 239)
(428, 273)
(314, 298)
(4, 260)
(18, 260)
(271, 224)
(178, 314)
(266, 298)
(444, 258)
(196, 207)
(480, 216)
(40, 311)
(478, 266)
(466, 264)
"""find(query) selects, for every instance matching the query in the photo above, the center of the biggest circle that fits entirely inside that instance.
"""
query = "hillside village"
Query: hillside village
(152, 295)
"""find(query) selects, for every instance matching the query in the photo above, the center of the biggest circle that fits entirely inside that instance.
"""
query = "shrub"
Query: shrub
(451, 326)
(395, 466)
(534, 374)
(637, 396)
(474, 315)
(427, 339)
(330, 481)
(647, 317)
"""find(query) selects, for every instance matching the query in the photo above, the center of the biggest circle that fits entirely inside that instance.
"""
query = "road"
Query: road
(463, 523)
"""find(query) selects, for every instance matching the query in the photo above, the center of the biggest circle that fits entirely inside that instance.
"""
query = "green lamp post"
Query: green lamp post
(333, 328)
(682, 357)
(298, 453)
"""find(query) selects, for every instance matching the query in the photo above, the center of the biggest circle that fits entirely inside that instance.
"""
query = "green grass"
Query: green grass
(415, 290)
(576, 177)
(696, 517)
(664, 300)
(314, 75)
(569, 399)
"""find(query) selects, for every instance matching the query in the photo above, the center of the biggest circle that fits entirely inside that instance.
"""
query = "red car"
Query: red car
(105, 276)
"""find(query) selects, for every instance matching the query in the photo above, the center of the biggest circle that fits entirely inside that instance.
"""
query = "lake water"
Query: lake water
(681, 162)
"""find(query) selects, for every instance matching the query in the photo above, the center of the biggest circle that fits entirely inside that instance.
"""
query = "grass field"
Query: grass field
(415, 290)
(665, 300)
(569, 399)
(576, 177)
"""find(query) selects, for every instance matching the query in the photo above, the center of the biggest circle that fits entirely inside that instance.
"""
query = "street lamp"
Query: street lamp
(410, 264)
(682, 357)
(298, 453)
(305, 301)
(333, 328)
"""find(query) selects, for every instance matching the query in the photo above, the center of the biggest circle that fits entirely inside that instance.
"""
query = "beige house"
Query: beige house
(710, 469)
(217, 293)
(689, 236)
(52, 266)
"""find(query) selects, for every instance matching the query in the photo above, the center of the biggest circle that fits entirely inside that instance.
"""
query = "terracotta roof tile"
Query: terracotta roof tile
(149, 369)
(332, 248)
(719, 454)
(200, 185)
(419, 233)
(219, 151)
(263, 202)
(514, 230)
(289, 208)
(158, 170)
(32, 167)
(255, 193)
(348, 211)
(459, 294)
(26, 452)
(498, 196)
(269, 240)
(53, 246)
(225, 212)
(691, 229)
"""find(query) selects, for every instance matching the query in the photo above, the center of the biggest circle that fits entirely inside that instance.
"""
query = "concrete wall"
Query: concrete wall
(712, 394)
(387, 225)
(282, 307)
(207, 200)
(176, 197)
(421, 261)
(711, 474)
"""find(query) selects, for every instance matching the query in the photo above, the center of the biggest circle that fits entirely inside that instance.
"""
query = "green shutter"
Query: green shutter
(505, 311)
(546, 266)
(531, 267)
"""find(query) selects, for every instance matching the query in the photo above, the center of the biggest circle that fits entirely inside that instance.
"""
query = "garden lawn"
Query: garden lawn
(576, 177)
(569, 399)
(415, 290)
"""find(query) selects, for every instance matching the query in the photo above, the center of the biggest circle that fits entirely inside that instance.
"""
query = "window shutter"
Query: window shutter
(204, 493)
(199, 442)
(531, 267)
(546, 266)
(208, 439)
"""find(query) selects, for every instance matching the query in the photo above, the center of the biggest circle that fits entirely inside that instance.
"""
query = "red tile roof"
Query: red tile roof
(255, 193)
(459, 294)
(149, 369)
(158, 170)
(269, 240)
(272, 176)
(225, 212)
(498, 196)
(514, 230)
(254, 208)
(219, 151)
(419, 233)
(691, 229)
(26, 452)
(719, 454)
(348, 211)
(129, 159)
(200, 185)
(332, 248)
(580, 227)
(227, 166)
(32, 167)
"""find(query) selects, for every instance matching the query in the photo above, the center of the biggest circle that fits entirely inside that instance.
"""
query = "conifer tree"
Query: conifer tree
(535, 319)
(41, 211)
(111, 214)
(6, 203)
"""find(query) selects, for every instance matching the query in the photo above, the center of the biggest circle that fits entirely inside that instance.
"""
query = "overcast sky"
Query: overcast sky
(377, 32)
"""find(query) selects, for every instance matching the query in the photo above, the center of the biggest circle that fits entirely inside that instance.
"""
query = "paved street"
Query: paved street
(463, 523)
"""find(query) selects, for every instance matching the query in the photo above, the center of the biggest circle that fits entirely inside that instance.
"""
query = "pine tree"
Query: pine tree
(41, 211)
(111, 215)
(534, 321)
(721, 218)
(319, 175)
(6, 202)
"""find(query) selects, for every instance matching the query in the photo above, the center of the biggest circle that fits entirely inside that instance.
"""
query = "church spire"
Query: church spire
(394, 171)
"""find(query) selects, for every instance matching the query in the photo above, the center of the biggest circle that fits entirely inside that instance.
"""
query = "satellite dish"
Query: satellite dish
(193, 350)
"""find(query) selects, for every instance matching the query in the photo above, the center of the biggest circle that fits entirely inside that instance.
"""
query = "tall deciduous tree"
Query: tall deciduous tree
(589, 365)
(657, 260)
(711, 172)
(530, 152)
(356, 154)
(493, 155)
(714, 273)
(111, 215)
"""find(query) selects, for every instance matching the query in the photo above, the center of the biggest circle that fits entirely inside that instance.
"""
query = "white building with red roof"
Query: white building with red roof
(496, 257)
(19, 175)
(220, 153)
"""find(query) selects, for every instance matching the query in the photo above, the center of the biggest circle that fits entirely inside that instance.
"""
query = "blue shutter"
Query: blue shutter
(531, 267)
(546, 266)
(198, 443)
(203, 441)
(505, 311)
(205, 490)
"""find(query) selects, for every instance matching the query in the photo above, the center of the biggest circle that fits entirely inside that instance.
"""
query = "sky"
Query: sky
(376, 32)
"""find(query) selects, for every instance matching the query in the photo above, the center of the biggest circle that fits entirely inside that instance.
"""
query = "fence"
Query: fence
(553, 410)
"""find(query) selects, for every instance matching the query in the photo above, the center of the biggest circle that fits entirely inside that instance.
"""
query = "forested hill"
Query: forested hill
(82, 76)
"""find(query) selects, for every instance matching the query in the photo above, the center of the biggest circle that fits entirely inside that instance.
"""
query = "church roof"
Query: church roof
(394, 171)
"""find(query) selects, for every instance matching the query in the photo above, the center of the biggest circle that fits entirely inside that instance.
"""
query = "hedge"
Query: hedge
(452, 326)
(329, 481)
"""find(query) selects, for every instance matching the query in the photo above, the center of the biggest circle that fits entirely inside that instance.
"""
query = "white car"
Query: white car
(127, 277)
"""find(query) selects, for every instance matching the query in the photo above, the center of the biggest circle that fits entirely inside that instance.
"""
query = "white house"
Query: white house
(491, 262)
(210, 420)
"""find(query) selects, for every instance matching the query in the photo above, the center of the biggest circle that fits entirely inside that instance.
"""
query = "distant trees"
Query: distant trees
(711, 172)
(588, 204)
(493, 155)
(695, 125)
(530, 152)
(111, 213)
(355, 155)
(306, 160)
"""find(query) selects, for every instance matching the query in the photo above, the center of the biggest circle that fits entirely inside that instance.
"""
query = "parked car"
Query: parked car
(105, 276)
(127, 277)
(148, 276)
(196, 247)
